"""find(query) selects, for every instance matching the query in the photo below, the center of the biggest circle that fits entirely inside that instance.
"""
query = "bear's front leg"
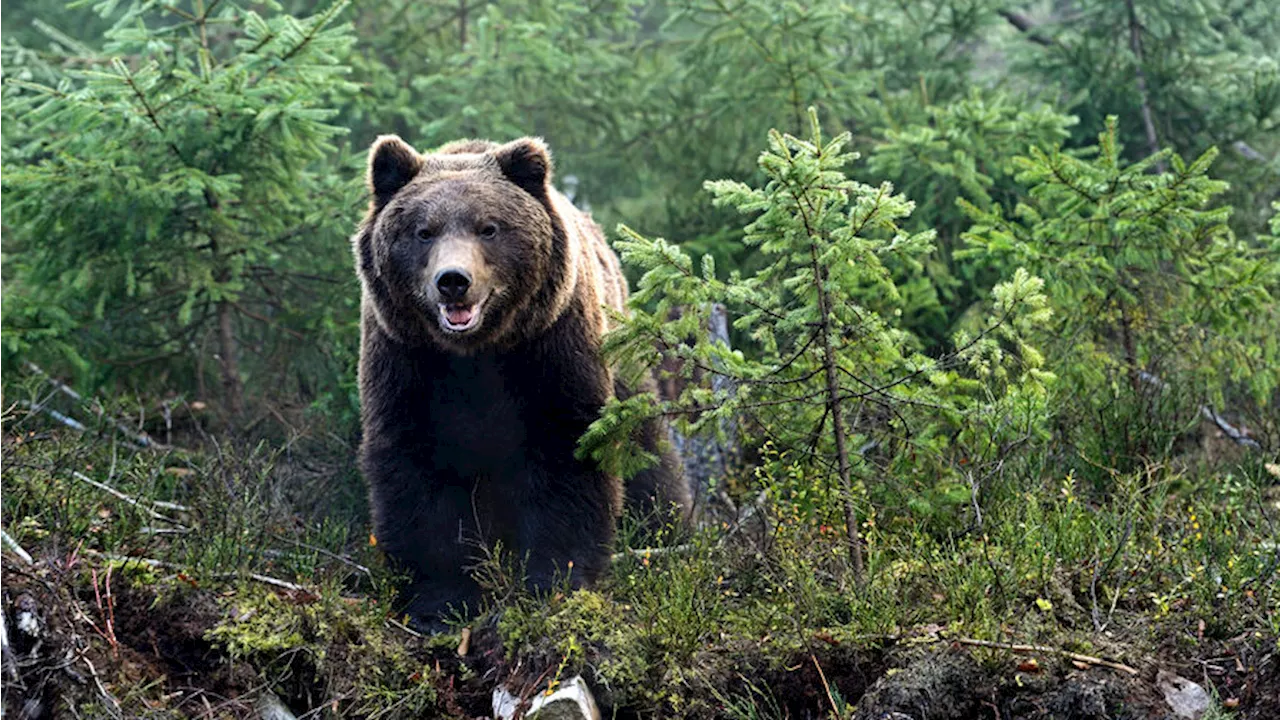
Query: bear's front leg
(566, 527)
(425, 523)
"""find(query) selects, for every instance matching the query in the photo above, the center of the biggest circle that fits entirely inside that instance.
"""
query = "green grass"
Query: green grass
(1129, 574)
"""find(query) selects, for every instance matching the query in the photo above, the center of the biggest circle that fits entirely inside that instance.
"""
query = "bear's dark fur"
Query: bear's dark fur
(483, 294)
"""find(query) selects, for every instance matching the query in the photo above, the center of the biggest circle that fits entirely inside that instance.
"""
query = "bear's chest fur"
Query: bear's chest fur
(489, 415)
(478, 415)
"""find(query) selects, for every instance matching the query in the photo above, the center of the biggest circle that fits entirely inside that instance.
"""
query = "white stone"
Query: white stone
(573, 701)
(1187, 699)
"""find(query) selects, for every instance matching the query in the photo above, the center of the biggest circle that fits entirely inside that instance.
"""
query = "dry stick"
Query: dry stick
(112, 491)
(646, 552)
(68, 421)
(93, 672)
(326, 553)
(140, 439)
(835, 709)
(1208, 413)
(13, 545)
(6, 656)
(401, 626)
(268, 580)
(1026, 26)
(151, 562)
(1091, 660)
(464, 643)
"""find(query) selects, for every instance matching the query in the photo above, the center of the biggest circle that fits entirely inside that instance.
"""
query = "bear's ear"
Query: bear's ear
(392, 164)
(527, 163)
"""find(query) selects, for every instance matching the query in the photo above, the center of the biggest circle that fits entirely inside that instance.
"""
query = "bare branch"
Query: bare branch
(1027, 27)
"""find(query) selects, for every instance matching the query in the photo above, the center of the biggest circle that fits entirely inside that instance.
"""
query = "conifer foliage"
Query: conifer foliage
(832, 382)
(1157, 299)
(176, 197)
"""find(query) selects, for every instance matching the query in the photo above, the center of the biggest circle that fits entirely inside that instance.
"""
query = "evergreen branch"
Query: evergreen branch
(1026, 26)
(150, 111)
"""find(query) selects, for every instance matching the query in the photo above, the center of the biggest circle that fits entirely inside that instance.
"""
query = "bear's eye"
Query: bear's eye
(425, 234)
(489, 230)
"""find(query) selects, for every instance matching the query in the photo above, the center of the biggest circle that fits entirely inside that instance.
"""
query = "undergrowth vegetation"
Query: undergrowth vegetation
(197, 581)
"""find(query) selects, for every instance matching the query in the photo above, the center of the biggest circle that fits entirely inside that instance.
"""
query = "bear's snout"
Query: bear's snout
(453, 284)
(458, 281)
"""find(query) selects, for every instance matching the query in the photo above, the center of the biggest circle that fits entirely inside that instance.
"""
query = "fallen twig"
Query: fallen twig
(257, 577)
(1088, 659)
(93, 672)
(646, 552)
(401, 626)
(276, 582)
(15, 548)
(326, 553)
(132, 501)
(141, 439)
(6, 655)
(68, 421)
(1208, 413)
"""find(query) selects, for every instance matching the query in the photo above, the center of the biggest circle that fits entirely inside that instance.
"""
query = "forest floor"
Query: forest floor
(213, 583)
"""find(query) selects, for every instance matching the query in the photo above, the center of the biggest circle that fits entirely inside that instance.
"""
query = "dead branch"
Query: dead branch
(1208, 413)
(68, 421)
(1026, 26)
(15, 548)
(275, 582)
(132, 501)
(93, 672)
(1088, 659)
(401, 626)
(1246, 150)
(332, 555)
(141, 439)
(6, 655)
(1140, 75)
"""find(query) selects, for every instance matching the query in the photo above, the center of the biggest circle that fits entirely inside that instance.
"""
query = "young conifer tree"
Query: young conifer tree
(831, 382)
(1160, 309)
(174, 203)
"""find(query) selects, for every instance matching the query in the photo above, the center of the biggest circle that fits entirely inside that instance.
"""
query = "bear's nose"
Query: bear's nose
(453, 284)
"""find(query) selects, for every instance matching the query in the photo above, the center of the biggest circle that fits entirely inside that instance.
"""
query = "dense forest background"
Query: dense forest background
(1003, 359)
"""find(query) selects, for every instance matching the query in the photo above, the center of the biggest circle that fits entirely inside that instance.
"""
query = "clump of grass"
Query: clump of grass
(1127, 571)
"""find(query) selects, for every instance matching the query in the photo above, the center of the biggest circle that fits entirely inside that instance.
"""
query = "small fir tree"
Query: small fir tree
(830, 377)
(1153, 293)
(176, 204)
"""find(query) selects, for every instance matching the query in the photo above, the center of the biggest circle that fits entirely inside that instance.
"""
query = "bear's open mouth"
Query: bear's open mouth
(457, 318)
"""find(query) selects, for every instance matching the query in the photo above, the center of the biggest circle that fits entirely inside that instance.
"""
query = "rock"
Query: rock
(27, 615)
(1187, 699)
(1083, 698)
(270, 707)
(573, 701)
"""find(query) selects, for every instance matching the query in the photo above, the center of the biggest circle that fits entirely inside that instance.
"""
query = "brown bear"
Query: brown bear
(483, 305)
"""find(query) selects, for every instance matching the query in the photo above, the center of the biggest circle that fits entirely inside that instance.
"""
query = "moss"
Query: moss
(583, 632)
(341, 644)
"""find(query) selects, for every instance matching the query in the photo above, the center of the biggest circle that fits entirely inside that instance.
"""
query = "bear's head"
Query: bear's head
(463, 247)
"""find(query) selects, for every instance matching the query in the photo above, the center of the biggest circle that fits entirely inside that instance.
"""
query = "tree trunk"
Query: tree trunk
(232, 392)
(836, 409)
(1135, 45)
